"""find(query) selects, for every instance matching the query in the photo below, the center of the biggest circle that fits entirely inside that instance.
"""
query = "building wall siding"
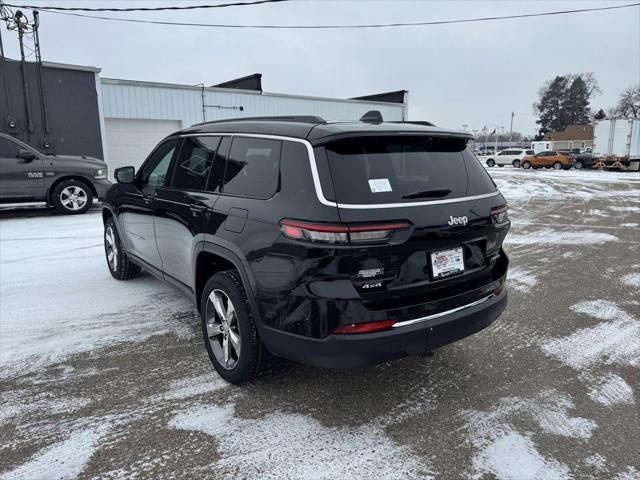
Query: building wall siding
(140, 100)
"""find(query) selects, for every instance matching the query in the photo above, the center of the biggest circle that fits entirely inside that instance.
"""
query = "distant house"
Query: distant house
(574, 136)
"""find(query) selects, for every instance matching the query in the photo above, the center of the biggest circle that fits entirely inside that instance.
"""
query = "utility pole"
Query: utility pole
(511, 129)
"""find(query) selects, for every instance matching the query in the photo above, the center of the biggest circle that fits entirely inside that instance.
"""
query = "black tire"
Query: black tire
(119, 264)
(72, 197)
(491, 162)
(253, 359)
(526, 164)
(500, 165)
(557, 166)
(516, 164)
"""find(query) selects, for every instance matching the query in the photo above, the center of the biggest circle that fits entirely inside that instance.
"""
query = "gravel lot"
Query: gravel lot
(108, 379)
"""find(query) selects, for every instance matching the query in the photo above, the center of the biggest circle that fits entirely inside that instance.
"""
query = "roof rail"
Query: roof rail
(416, 122)
(287, 118)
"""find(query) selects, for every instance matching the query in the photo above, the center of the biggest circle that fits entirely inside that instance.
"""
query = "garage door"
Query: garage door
(129, 141)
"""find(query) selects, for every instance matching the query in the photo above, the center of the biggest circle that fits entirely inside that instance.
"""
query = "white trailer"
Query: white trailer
(542, 146)
(616, 143)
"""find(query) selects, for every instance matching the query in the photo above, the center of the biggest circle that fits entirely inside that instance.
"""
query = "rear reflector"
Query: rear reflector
(318, 232)
(367, 327)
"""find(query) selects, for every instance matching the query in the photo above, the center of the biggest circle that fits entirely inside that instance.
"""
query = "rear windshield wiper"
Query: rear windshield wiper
(434, 193)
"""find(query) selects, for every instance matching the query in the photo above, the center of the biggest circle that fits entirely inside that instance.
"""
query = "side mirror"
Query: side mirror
(26, 155)
(124, 174)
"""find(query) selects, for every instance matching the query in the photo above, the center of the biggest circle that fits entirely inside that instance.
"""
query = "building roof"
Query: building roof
(316, 131)
(399, 96)
(250, 82)
(572, 132)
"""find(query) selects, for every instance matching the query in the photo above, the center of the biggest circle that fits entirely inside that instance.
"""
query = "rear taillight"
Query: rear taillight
(500, 214)
(367, 327)
(318, 232)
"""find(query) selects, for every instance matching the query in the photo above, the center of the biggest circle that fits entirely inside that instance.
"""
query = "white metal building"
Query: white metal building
(135, 115)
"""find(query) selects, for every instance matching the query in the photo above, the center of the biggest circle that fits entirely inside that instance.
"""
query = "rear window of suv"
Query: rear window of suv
(400, 169)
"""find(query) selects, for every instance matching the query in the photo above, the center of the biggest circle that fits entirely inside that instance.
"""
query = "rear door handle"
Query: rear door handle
(198, 209)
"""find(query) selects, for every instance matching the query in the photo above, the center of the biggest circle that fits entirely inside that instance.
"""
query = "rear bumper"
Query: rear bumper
(346, 351)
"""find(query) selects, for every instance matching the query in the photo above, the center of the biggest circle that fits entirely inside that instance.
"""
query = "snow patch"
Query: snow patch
(521, 279)
(512, 456)
(629, 474)
(629, 225)
(632, 280)
(62, 460)
(278, 446)
(21, 403)
(597, 461)
(624, 208)
(615, 340)
(191, 387)
(612, 390)
(508, 454)
(548, 236)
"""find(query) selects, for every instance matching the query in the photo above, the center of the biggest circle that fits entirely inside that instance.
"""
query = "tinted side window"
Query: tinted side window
(194, 163)
(8, 149)
(479, 181)
(530, 152)
(253, 167)
(153, 173)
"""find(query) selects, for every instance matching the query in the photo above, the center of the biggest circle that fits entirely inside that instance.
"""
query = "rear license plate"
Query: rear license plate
(447, 262)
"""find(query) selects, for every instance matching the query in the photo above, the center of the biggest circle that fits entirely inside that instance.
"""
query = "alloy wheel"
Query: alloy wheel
(223, 329)
(112, 249)
(73, 198)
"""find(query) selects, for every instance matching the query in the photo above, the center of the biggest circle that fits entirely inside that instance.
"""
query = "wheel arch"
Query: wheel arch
(213, 258)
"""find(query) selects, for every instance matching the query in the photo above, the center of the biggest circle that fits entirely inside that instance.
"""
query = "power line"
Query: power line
(141, 9)
(318, 27)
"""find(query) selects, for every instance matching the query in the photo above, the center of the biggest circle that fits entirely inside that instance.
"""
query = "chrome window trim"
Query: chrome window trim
(318, 186)
(442, 314)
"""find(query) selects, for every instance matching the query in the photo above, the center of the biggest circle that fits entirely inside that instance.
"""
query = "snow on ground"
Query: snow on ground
(629, 474)
(521, 279)
(19, 403)
(632, 280)
(192, 387)
(282, 445)
(67, 458)
(614, 340)
(548, 236)
(509, 454)
(612, 390)
(58, 298)
(522, 186)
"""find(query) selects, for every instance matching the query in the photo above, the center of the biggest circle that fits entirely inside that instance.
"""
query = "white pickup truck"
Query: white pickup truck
(511, 156)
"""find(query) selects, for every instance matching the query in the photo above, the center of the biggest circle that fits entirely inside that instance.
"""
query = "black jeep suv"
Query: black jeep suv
(333, 244)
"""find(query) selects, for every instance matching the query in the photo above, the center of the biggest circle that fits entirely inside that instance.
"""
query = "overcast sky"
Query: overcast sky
(474, 74)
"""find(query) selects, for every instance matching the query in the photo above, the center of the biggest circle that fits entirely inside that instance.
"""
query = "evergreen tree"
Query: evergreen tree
(576, 104)
(600, 115)
(552, 106)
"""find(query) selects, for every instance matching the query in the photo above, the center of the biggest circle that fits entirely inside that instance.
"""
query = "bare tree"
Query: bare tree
(629, 103)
